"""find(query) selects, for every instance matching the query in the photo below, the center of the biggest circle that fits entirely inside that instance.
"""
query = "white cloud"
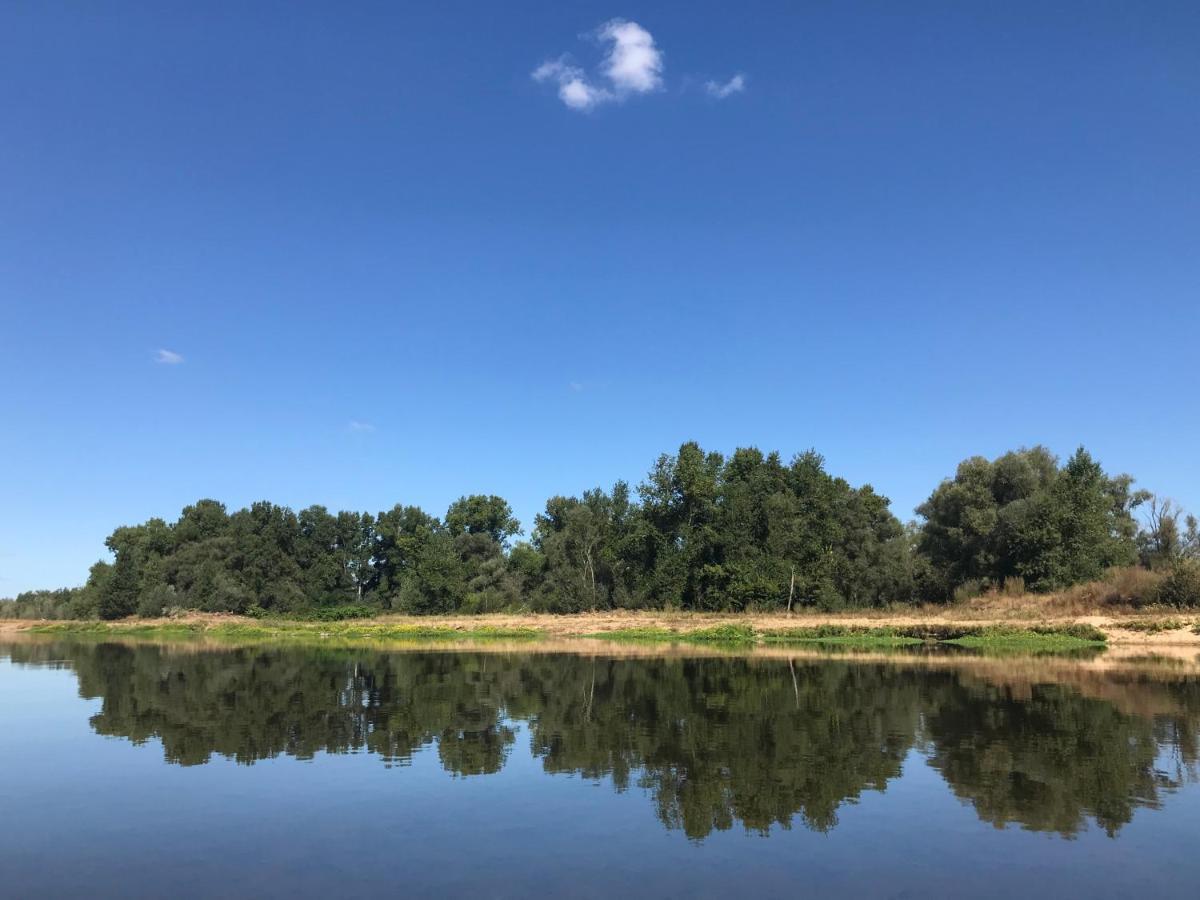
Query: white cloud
(734, 85)
(360, 427)
(168, 357)
(573, 86)
(633, 65)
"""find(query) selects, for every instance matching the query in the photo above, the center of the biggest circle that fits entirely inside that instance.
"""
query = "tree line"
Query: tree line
(702, 531)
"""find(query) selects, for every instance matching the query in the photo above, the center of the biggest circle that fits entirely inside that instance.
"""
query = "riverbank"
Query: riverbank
(875, 628)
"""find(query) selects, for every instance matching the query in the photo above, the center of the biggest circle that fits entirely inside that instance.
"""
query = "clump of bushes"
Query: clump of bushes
(320, 613)
(340, 613)
(1181, 586)
(1122, 586)
(1177, 586)
(969, 590)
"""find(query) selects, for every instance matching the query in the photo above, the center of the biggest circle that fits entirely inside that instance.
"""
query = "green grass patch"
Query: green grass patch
(356, 631)
(320, 614)
(266, 629)
(180, 629)
(845, 635)
(717, 634)
(722, 634)
(634, 635)
(1034, 639)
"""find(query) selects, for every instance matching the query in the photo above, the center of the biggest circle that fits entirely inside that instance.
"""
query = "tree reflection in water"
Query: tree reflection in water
(713, 741)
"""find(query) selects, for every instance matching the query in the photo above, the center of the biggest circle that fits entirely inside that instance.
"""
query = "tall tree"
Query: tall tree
(482, 514)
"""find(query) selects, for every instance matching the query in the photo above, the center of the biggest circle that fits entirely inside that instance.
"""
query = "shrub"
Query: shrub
(340, 613)
(317, 614)
(1122, 586)
(969, 590)
(155, 602)
(1133, 585)
(1181, 587)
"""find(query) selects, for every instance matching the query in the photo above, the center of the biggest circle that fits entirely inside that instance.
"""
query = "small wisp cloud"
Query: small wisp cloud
(632, 65)
(734, 85)
(168, 357)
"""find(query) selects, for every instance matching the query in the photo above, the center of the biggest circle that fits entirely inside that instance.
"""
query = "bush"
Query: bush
(339, 613)
(1133, 585)
(155, 602)
(969, 590)
(1121, 586)
(1181, 587)
(317, 614)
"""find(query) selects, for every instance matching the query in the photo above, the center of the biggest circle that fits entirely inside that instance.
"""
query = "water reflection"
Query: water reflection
(713, 741)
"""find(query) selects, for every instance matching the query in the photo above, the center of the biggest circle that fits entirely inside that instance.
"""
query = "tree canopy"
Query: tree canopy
(1024, 516)
(702, 531)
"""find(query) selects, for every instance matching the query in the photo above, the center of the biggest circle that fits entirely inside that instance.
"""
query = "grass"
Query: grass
(999, 638)
(1118, 590)
(283, 630)
(845, 635)
(1034, 639)
(320, 614)
(637, 635)
(1152, 626)
(717, 634)
(723, 634)
(175, 629)
(995, 638)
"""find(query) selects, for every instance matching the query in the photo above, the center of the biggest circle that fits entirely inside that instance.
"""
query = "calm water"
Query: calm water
(152, 770)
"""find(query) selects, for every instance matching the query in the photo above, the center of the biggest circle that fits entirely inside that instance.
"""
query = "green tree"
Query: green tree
(482, 514)
(402, 535)
(581, 542)
(119, 596)
(1023, 515)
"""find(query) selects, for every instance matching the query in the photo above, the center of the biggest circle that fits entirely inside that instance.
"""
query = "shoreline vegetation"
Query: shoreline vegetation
(704, 533)
(730, 632)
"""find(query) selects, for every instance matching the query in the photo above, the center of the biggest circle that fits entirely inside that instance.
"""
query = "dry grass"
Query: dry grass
(1121, 592)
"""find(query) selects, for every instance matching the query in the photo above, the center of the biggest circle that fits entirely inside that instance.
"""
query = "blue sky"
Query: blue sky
(395, 266)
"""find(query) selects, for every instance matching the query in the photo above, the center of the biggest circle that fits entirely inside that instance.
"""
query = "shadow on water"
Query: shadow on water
(714, 741)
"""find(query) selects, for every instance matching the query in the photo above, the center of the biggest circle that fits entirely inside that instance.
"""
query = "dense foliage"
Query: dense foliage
(704, 532)
(1022, 516)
